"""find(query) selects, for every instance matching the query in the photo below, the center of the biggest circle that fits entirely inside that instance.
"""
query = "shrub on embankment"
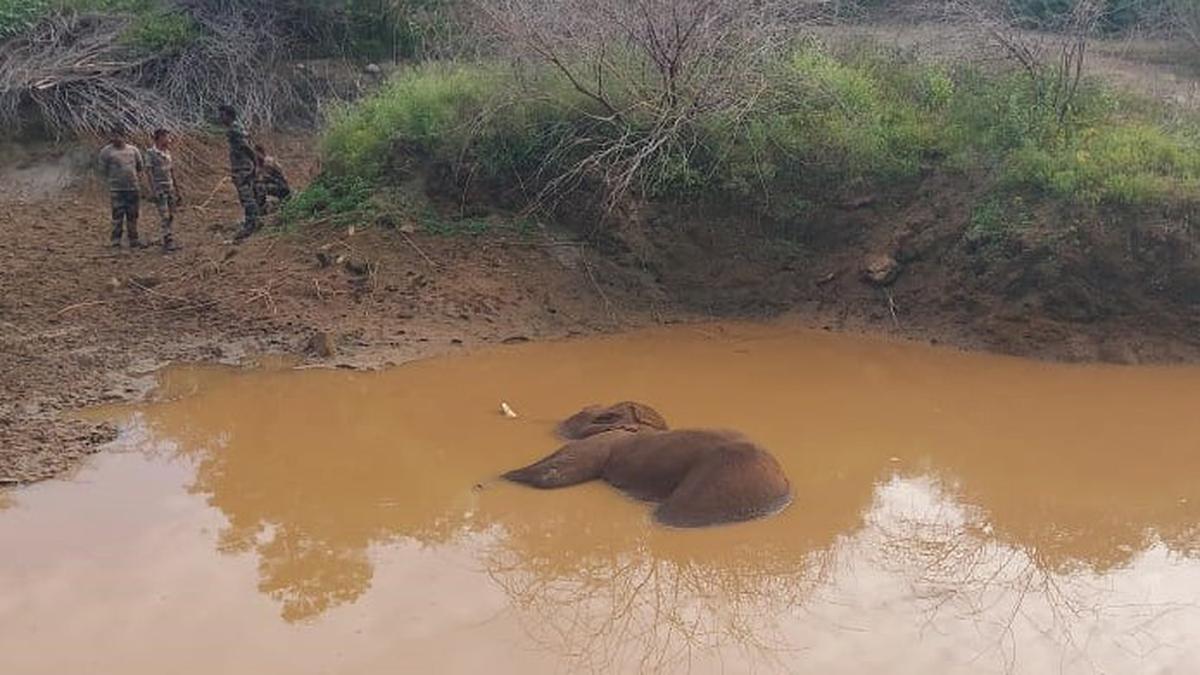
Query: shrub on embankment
(80, 66)
(829, 124)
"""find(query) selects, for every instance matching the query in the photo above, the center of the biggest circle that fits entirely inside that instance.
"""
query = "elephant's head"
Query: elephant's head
(625, 415)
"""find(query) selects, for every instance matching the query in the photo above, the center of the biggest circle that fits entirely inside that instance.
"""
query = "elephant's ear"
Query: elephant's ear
(575, 426)
(648, 417)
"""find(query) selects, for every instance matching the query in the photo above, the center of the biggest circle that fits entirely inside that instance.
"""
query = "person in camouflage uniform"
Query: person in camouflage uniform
(243, 167)
(165, 190)
(271, 180)
(121, 164)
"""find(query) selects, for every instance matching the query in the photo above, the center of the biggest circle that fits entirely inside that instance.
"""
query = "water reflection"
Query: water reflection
(957, 571)
(642, 611)
(1007, 523)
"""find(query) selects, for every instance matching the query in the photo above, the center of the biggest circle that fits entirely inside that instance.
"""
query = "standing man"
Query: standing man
(121, 164)
(271, 181)
(163, 187)
(243, 169)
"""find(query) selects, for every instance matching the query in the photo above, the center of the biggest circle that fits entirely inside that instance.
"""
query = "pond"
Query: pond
(953, 513)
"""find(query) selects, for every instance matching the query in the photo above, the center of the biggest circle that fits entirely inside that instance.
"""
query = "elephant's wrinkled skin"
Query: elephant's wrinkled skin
(698, 477)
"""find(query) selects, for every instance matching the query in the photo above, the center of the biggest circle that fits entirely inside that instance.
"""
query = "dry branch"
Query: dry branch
(1052, 54)
(647, 71)
(76, 74)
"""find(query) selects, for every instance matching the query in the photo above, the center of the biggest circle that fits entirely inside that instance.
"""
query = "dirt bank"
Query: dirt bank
(83, 325)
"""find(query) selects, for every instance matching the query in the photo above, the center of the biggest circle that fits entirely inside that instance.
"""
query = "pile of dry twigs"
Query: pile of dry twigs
(73, 74)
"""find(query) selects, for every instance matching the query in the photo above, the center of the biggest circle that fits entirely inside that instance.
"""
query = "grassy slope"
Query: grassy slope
(867, 118)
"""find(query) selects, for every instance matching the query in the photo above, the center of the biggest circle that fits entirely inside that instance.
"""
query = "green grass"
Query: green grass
(368, 29)
(426, 110)
(328, 196)
(1128, 163)
(18, 15)
(832, 122)
(997, 220)
(155, 27)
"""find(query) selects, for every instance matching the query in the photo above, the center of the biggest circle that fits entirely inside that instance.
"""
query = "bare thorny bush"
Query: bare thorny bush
(240, 57)
(1185, 18)
(1053, 55)
(76, 75)
(650, 74)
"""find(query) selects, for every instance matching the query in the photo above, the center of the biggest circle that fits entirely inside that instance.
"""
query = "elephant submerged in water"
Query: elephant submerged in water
(697, 477)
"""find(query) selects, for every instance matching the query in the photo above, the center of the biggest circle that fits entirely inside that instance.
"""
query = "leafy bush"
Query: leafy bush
(997, 221)
(156, 27)
(329, 196)
(163, 32)
(1127, 163)
(828, 123)
(372, 29)
(428, 109)
(16, 16)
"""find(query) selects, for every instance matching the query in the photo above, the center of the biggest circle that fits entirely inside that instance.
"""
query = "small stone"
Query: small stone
(881, 270)
(144, 281)
(321, 345)
(859, 202)
(357, 267)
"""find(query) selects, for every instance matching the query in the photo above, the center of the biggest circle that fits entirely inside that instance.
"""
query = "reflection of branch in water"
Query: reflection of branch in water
(309, 576)
(637, 612)
(961, 572)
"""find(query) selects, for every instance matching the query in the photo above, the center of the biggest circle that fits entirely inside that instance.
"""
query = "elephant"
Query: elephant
(697, 477)
(595, 419)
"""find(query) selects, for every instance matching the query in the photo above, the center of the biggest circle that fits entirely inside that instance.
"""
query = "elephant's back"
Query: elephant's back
(739, 481)
(649, 465)
(652, 465)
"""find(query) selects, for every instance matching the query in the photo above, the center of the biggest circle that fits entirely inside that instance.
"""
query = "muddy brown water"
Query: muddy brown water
(954, 513)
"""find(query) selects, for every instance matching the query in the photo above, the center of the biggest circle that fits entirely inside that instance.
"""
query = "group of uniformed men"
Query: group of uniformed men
(256, 177)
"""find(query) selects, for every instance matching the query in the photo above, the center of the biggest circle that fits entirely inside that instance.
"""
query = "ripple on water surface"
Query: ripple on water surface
(954, 513)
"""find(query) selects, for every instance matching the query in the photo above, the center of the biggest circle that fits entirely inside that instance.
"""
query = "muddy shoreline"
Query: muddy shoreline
(81, 325)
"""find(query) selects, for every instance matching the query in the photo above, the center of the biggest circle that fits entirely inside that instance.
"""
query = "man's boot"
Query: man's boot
(242, 234)
(248, 228)
(134, 241)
